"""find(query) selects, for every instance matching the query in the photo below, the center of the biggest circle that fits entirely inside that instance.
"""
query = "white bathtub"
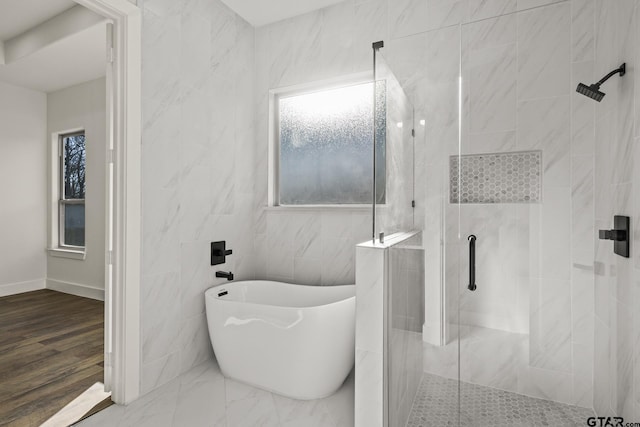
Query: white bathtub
(294, 340)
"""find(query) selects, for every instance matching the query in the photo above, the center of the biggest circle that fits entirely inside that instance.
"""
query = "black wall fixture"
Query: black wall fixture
(472, 262)
(224, 274)
(219, 252)
(593, 91)
(620, 235)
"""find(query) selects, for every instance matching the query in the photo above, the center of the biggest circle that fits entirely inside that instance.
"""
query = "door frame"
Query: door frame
(123, 231)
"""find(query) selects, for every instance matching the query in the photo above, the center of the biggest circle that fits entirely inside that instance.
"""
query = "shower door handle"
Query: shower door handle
(472, 262)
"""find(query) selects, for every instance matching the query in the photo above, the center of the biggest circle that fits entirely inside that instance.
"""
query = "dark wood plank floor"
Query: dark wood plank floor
(51, 350)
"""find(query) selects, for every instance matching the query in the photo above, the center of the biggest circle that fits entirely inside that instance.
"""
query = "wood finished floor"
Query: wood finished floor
(51, 350)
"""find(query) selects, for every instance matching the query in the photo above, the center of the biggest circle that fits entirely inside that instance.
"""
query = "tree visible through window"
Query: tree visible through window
(73, 189)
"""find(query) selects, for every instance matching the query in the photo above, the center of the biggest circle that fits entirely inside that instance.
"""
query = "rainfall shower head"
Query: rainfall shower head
(590, 91)
(593, 91)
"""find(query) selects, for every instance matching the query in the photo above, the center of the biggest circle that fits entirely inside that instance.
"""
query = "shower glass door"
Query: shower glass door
(512, 183)
(506, 165)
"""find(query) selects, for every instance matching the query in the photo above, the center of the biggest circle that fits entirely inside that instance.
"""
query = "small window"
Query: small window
(325, 141)
(71, 202)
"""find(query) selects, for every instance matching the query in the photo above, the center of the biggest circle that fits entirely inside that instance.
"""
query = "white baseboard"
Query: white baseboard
(21, 287)
(76, 289)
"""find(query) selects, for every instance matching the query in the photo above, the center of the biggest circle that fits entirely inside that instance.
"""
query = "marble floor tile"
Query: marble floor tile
(203, 397)
(439, 398)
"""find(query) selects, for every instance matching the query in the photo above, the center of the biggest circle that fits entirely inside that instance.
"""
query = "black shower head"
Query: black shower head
(593, 91)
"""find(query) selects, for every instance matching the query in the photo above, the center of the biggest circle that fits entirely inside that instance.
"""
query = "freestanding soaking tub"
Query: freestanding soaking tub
(294, 340)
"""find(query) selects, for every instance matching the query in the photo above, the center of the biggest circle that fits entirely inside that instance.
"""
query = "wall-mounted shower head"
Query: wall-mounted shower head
(590, 91)
(593, 91)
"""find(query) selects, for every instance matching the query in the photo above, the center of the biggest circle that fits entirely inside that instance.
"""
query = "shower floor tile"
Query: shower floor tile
(436, 404)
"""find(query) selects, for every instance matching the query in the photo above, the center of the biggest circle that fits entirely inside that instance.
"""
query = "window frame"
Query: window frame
(61, 197)
(273, 196)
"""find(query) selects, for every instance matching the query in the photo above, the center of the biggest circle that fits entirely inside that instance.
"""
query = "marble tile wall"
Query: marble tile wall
(325, 44)
(617, 181)
(405, 310)
(197, 172)
(370, 327)
(388, 328)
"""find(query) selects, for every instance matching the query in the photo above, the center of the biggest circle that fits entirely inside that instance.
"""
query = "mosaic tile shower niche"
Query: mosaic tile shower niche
(496, 178)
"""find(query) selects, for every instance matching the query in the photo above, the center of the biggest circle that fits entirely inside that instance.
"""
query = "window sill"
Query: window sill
(322, 208)
(67, 253)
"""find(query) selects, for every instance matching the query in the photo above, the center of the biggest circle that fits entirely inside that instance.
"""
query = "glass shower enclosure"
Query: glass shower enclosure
(498, 167)
(394, 216)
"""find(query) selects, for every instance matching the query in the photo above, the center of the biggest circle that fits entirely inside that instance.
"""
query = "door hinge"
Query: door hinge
(108, 359)
(413, 203)
(413, 132)
(110, 258)
(111, 156)
(110, 44)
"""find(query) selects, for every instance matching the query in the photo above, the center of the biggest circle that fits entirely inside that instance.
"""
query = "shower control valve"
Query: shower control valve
(617, 235)
(219, 252)
(620, 235)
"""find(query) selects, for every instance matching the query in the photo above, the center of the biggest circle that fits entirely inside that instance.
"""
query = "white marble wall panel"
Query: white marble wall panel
(545, 124)
(582, 112)
(616, 180)
(198, 73)
(389, 313)
(407, 17)
(405, 312)
(544, 51)
(582, 30)
(370, 315)
(497, 258)
(582, 219)
(483, 9)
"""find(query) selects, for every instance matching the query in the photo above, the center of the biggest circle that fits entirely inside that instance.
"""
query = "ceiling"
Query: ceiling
(262, 12)
(75, 58)
(17, 16)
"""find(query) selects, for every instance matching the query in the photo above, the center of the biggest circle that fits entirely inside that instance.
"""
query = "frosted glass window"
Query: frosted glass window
(326, 140)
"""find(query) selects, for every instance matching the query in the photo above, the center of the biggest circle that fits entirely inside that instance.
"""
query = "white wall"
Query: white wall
(197, 173)
(82, 107)
(23, 190)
